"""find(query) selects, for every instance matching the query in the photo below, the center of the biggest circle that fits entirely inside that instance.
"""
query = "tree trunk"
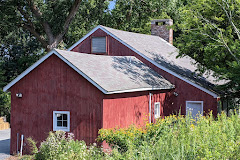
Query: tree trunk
(51, 41)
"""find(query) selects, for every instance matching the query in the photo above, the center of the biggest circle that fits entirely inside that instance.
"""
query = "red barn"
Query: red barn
(108, 78)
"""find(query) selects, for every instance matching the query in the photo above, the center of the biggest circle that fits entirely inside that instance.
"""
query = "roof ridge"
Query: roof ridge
(130, 32)
(105, 27)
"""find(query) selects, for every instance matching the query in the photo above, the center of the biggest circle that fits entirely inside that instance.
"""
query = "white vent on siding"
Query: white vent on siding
(99, 45)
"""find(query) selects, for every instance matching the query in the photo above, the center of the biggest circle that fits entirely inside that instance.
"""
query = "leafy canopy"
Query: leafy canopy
(47, 20)
(210, 34)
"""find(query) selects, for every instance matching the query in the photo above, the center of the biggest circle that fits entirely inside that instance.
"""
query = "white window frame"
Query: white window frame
(55, 127)
(104, 37)
(158, 114)
(187, 102)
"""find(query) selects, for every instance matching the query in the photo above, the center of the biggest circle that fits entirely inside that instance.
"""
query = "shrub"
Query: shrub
(178, 137)
(175, 137)
(59, 146)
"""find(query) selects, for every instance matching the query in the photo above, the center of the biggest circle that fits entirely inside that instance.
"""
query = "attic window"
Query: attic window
(99, 45)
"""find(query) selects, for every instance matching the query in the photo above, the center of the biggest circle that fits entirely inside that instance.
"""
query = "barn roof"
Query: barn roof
(110, 74)
(164, 55)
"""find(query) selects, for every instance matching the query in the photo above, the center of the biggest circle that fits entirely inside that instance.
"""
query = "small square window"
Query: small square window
(98, 44)
(157, 110)
(61, 120)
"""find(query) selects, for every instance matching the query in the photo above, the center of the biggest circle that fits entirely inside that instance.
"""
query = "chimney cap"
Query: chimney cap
(170, 21)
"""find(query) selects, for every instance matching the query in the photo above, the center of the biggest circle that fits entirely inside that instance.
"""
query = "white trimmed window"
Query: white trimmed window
(157, 109)
(98, 44)
(61, 121)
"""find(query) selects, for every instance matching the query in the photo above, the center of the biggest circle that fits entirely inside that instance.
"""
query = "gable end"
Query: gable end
(145, 57)
(18, 78)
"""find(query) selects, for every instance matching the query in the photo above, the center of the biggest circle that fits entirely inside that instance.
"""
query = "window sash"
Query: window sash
(157, 110)
(99, 45)
(61, 120)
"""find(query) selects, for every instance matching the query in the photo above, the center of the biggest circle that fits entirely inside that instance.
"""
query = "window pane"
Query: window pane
(157, 110)
(59, 123)
(59, 116)
(64, 123)
(99, 44)
(64, 116)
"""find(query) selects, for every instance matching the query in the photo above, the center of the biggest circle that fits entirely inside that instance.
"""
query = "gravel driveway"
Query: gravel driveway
(4, 144)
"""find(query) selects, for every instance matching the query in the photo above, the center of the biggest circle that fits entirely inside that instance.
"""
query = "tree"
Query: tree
(30, 27)
(18, 51)
(47, 20)
(136, 15)
(210, 34)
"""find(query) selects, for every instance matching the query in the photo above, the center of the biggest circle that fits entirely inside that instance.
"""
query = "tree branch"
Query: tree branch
(30, 27)
(227, 47)
(229, 16)
(68, 21)
(36, 34)
(221, 38)
(45, 24)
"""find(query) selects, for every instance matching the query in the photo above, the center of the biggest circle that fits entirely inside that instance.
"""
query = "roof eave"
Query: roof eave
(28, 70)
(139, 90)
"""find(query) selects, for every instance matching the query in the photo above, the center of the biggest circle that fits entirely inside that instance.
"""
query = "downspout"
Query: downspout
(150, 107)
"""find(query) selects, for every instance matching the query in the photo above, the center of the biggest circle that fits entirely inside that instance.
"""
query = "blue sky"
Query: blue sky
(112, 4)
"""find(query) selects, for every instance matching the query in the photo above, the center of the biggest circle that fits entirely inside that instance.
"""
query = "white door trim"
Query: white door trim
(187, 102)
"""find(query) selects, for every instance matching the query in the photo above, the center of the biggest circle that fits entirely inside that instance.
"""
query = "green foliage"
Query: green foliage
(122, 139)
(18, 51)
(175, 137)
(135, 15)
(90, 14)
(59, 146)
(32, 145)
(50, 21)
(5, 104)
(210, 34)
(178, 138)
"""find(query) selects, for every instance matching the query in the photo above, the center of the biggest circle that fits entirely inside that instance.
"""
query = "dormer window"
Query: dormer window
(99, 45)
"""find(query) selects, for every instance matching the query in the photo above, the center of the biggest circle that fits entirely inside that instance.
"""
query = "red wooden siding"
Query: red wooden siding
(123, 110)
(186, 92)
(53, 85)
(85, 46)
(114, 48)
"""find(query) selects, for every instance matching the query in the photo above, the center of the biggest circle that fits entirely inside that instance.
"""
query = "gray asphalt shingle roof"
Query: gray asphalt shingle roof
(117, 73)
(165, 54)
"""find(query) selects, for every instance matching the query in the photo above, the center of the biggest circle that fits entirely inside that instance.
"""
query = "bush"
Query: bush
(59, 146)
(175, 137)
(178, 138)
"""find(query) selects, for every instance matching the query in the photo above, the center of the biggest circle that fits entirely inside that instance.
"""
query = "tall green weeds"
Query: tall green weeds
(174, 137)
(178, 138)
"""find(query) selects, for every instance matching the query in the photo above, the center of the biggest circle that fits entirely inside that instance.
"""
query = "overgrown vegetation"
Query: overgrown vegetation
(175, 137)
(59, 146)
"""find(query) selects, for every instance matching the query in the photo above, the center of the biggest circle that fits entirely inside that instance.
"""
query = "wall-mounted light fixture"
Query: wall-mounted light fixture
(19, 95)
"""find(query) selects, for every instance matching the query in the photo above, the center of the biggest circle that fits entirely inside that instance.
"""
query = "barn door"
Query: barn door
(194, 108)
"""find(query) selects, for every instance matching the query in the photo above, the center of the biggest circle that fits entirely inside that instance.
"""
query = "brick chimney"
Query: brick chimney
(159, 27)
